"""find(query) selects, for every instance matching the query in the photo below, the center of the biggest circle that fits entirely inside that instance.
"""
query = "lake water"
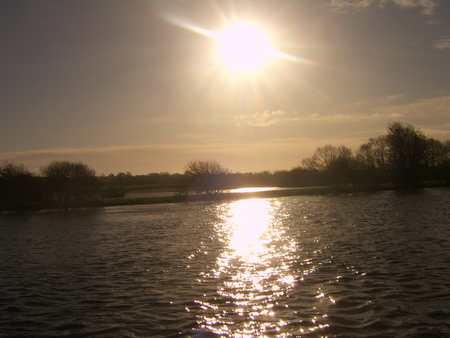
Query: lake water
(362, 265)
(171, 193)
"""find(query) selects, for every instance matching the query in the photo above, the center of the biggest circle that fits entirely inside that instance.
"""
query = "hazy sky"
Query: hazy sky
(135, 85)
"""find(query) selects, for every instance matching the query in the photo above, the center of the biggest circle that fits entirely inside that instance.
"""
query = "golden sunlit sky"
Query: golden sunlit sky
(146, 86)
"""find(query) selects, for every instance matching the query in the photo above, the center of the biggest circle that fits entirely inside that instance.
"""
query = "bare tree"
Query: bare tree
(342, 167)
(335, 162)
(436, 152)
(374, 153)
(19, 188)
(444, 167)
(322, 158)
(438, 160)
(407, 154)
(70, 182)
(206, 176)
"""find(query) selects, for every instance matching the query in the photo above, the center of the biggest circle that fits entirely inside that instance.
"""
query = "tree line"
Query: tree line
(405, 157)
(61, 184)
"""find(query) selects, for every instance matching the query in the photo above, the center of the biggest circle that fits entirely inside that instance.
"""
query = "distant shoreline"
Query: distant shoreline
(105, 202)
(226, 196)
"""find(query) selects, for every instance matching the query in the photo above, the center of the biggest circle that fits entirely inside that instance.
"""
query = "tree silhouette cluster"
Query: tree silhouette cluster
(70, 183)
(62, 184)
(19, 188)
(205, 176)
(404, 156)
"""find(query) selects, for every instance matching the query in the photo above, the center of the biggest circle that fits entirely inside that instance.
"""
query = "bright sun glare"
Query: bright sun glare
(243, 47)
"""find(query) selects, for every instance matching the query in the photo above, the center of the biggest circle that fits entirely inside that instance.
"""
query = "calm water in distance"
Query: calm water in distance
(362, 265)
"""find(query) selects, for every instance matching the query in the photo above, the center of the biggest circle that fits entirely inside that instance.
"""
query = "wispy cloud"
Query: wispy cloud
(442, 44)
(347, 6)
(265, 118)
(278, 154)
(103, 159)
(367, 105)
(428, 6)
(430, 115)
(76, 151)
(279, 140)
(352, 117)
(395, 106)
(374, 110)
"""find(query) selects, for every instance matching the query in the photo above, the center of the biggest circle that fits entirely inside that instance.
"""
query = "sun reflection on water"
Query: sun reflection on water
(254, 270)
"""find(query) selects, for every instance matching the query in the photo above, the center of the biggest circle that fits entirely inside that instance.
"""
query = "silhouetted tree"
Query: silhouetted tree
(112, 186)
(444, 166)
(372, 160)
(374, 153)
(435, 152)
(302, 177)
(336, 163)
(19, 188)
(207, 176)
(70, 183)
(407, 154)
(322, 158)
(342, 169)
(438, 160)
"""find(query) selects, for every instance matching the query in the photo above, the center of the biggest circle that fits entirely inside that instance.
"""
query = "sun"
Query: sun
(243, 47)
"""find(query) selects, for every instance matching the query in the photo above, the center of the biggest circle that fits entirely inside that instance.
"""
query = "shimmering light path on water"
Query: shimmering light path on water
(363, 265)
(254, 268)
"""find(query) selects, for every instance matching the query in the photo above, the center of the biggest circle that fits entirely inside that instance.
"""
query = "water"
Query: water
(238, 190)
(362, 265)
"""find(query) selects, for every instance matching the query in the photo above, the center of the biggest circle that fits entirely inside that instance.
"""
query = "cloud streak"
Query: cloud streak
(347, 6)
(432, 115)
(390, 108)
(428, 7)
(442, 44)
(265, 118)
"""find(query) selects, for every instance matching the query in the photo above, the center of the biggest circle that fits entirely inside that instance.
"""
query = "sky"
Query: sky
(136, 86)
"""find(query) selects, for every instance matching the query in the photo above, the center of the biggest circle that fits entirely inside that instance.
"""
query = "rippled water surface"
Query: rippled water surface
(362, 265)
